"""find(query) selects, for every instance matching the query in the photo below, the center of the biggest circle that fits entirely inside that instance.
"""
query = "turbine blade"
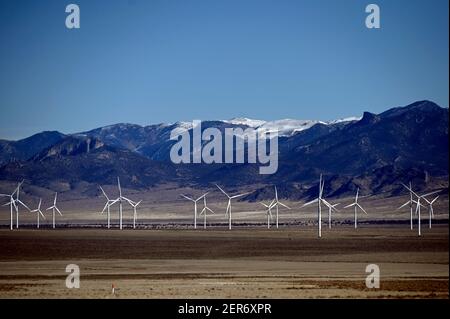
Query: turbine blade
(311, 202)
(432, 193)
(203, 196)
(57, 209)
(118, 185)
(351, 205)
(104, 193)
(407, 203)
(21, 203)
(285, 206)
(104, 208)
(188, 198)
(326, 203)
(240, 195)
(362, 209)
(222, 191)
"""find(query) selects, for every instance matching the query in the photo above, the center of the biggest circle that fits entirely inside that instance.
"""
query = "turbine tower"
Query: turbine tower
(319, 200)
(54, 209)
(356, 205)
(228, 211)
(195, 206)
(204, 210)
(276, 204)
(39, 212)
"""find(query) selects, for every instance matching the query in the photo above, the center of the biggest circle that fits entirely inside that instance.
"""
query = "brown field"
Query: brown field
(242, 263)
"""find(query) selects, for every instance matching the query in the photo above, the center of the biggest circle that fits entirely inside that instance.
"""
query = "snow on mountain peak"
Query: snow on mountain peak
(245, 121)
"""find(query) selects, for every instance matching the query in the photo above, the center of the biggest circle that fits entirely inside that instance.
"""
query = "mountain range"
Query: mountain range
(375, 152)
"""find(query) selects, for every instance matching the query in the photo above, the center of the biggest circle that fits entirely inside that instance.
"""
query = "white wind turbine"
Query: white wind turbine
(330, 208)
(121, 199)
(54, 209)
(356, 205)
(109, 203)
(12, 205)
(39, 212)
(418, 205)
(430, 209)
(410, 203)
(18, 201)
(195, 206)
(269, 211)
(228, 211)
(134, 205)
(319, 200)
(276, 204)
(205, 210)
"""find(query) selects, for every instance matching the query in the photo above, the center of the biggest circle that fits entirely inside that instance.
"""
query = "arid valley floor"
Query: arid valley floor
(241, 263)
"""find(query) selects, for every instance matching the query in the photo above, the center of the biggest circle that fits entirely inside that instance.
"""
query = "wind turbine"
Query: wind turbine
(356, 205)
(269, 211)
(278, 203)
(109, 203)
(121, 199)
(12, 205)
(38, 211)
(134, 205)
(410, 203)
(430, 209)
(54, 209)
(330, 208)
(319, 200)
(228, 211)
(204, 210)
(17, 200)
(418, 205)
(195, 206)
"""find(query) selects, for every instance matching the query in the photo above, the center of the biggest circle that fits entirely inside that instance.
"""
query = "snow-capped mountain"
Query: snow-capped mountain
(378, 151)
(285, 127)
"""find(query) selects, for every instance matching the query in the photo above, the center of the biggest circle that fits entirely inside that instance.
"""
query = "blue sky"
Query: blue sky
(151, 61)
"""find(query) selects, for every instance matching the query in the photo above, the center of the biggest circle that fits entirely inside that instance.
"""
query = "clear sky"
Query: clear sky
(151, 61)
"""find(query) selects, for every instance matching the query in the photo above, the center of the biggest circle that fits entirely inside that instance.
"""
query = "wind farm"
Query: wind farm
(154, 228)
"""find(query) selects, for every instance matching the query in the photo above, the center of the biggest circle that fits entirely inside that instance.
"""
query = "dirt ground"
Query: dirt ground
(241, 263)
